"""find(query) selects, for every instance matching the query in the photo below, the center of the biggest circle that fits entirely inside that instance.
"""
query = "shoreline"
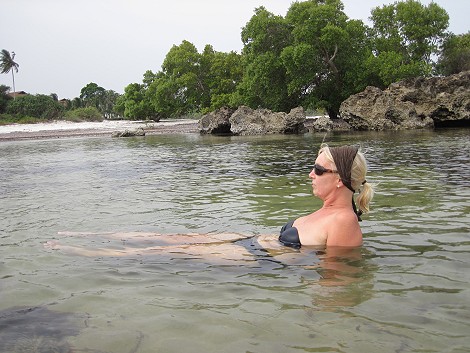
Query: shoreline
(64, 129)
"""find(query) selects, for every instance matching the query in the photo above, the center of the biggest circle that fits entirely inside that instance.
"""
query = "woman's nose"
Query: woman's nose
(311, 175)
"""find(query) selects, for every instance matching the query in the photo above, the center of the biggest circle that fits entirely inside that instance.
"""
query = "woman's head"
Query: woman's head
(351, 166)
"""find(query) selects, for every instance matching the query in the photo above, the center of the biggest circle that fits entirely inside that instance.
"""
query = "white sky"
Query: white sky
(62, 45)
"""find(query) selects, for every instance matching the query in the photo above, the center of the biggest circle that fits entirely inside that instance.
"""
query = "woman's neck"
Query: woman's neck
(337, 201)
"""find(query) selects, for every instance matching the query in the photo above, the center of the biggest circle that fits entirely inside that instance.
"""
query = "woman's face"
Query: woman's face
(324, 184)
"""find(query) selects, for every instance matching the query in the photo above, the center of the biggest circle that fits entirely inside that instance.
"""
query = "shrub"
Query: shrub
(84, 114)
(39, 106)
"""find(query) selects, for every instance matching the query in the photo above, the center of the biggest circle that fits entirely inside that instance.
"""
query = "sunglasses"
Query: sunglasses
(319, 170)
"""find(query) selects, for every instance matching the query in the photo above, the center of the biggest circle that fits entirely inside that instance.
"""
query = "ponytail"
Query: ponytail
(366, 193)
(360, 184)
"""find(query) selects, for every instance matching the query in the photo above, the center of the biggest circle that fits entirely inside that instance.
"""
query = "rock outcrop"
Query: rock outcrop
(216, 122)
(324, 123)
(129, 133)
(411, 104)
(247, 121)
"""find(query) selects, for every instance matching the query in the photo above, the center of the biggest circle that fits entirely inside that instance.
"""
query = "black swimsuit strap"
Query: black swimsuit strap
(289, 236)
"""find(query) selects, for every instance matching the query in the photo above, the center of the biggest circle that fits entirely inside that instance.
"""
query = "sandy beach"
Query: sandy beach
(60, 129)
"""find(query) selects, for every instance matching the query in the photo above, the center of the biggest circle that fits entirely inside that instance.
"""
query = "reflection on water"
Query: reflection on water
(406, 290)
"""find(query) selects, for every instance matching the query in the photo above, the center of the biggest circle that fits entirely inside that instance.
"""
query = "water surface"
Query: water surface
(407, 290)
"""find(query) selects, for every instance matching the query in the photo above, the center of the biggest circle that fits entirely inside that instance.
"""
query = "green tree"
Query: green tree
(108, 100)
(455, 55)
(172, 92)
(264, 80)
(92, 95)
(134, 103)
(406, 37)
(96, 96)
(178, 89)
(325, 58)
(4, 97)
(219, 76)
(8, 64)
(76, 103)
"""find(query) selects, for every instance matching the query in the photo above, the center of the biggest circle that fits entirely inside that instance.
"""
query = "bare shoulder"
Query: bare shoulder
(344, 230)
(346, 216)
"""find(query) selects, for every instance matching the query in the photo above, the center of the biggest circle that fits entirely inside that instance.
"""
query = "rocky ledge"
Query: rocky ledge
(247, 121)
(411, 104)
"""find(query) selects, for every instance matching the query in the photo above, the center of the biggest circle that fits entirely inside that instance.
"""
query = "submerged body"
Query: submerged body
(337, 173)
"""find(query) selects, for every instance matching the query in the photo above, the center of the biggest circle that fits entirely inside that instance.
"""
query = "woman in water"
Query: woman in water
(338, 173)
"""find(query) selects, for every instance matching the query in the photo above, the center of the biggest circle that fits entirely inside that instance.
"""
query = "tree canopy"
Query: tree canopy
(7, 64)
(455, 56)
(314, 57)
(405, 38)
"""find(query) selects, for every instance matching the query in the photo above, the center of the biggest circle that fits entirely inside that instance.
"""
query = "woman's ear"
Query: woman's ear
(339, 183)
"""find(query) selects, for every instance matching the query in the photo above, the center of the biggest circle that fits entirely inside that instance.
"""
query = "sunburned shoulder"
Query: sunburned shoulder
(344, 230)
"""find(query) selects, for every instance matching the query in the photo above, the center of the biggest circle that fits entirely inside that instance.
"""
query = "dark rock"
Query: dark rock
(411, 104)
(129, 133)
(216, 122)
(247, 121)
(325, 123)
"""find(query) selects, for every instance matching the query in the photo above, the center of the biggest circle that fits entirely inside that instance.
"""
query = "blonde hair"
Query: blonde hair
(358, 180)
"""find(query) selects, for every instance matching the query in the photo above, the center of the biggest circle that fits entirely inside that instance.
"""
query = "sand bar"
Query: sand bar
(59, 129)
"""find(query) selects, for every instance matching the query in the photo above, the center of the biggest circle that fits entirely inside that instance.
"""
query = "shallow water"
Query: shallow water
(406, 291)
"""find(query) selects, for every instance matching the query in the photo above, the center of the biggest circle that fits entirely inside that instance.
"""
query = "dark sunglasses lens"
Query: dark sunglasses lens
(318, 170)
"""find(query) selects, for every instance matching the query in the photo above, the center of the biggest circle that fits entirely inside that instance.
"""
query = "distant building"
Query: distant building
(17, 94)
(64, 102)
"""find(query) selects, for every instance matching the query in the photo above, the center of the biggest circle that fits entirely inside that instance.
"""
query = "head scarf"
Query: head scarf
(343, 158)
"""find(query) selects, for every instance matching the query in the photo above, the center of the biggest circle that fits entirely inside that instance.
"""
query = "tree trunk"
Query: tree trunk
(14, 89)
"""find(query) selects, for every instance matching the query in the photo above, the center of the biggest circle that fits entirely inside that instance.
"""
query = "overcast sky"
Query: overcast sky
(62, 45)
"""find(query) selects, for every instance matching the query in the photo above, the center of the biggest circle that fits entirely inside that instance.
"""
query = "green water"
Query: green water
(406, 291)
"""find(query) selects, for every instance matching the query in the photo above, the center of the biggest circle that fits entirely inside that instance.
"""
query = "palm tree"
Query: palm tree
(8, 64)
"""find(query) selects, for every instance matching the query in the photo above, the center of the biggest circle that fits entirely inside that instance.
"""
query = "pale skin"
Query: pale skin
(335, 224)
(333, 263)
(219, 248)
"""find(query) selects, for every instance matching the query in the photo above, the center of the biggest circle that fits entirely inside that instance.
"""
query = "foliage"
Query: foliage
(455, 56)
(178, 89)
(6, 119)
(264, 80)
(96, 96)
(224, 72)
(325, 58)
(189, 82)
(134, 104)
(4, 97)
(38, 106)
(91, 95)
(313, 57)
(8, 64)
(106, 106)
(84, 114)
(406, 36)
(75, 103)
